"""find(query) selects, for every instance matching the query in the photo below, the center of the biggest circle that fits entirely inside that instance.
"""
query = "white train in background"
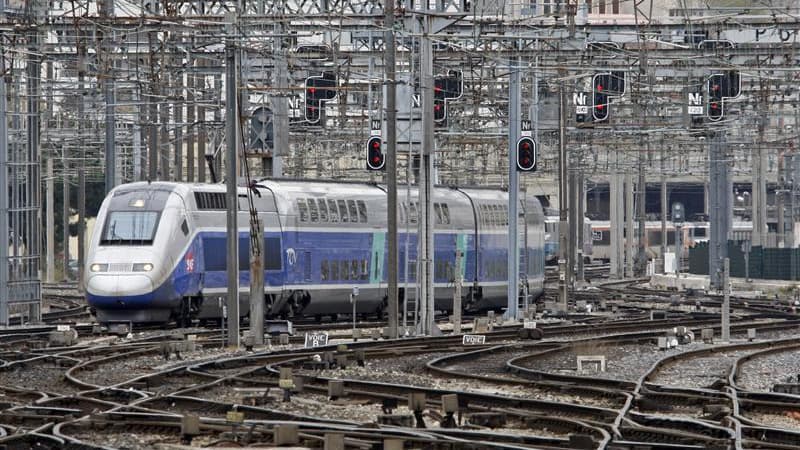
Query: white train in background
(597, 246)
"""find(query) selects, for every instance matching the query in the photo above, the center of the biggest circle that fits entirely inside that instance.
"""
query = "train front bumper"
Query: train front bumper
(119, 291)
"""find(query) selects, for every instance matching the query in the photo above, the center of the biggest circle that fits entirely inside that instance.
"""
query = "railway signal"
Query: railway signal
(375, 157)
(526, 154)
(261, 131)
(446, 88)
(319, 89)
(604, 87)
(721, 86)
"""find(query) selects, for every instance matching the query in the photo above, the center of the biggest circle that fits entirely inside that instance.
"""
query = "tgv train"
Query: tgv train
(158, 252)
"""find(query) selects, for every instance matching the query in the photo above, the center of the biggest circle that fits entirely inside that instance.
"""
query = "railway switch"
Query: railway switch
(334, 441)
(751, 334)
(581, 442)
(190, 427)
(286, 434)
(487, 419)
(360, 357)
(449, 408)
(396, 420)
(416, 403)
(393, 444)
(388, 405)
(249, 341)
(335, 389)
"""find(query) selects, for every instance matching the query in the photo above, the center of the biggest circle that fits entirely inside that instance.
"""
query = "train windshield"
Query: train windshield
(130, 228)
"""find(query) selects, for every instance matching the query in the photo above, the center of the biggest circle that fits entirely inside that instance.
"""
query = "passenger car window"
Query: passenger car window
(333, 212)
(335, 270)
(351, 207)
(362, 211)
(323, 210)
(342, 210)
(445, 213)
(314, 212)
(302, 208)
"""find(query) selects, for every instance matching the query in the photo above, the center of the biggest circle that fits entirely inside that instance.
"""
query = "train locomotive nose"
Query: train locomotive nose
(119, 287)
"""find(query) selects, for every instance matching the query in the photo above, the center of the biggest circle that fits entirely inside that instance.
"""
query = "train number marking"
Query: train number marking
(190, 262)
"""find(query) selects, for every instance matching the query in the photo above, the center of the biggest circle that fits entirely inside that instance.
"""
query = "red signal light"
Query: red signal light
(375, 158)
(526, 154)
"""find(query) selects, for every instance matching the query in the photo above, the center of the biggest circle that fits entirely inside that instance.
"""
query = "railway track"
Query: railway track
(509, 392)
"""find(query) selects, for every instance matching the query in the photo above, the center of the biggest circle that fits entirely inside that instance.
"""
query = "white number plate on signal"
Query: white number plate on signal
(473, 339)
(316, 340)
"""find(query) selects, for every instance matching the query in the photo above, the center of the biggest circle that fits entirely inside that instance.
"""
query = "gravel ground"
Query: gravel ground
(623, 362)
(760, 374)
(491, 364)
(43, 375)
(776, 420)
(320, 406)
(121, 370)
(698, 371)
(631, 361)
(376, 371)
(128, 441)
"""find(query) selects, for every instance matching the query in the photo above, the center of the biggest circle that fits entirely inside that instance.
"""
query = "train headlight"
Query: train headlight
(99, 267)
(142, 267)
